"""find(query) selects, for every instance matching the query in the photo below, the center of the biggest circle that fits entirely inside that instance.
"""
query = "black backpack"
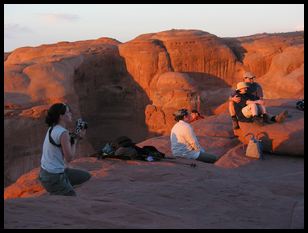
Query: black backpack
(123, 144)
(122, 141)
(121, 148)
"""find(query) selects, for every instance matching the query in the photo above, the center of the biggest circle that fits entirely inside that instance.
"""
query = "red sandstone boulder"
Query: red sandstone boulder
(285, 78)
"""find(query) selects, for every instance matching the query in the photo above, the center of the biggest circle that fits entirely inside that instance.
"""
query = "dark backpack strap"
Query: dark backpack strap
(51, 140)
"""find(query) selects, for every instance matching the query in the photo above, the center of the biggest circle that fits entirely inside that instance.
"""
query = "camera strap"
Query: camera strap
(51, 140)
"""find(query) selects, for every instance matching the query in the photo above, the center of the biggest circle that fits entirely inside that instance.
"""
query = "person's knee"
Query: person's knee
(84, 176)
(78, 176)
(212, 159)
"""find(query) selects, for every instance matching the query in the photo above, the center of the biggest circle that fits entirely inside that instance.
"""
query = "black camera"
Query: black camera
(80, 125)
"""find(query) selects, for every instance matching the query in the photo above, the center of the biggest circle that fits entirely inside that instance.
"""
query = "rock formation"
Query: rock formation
(182, 65)
(276, 59)
(90, 76)
(133, 88)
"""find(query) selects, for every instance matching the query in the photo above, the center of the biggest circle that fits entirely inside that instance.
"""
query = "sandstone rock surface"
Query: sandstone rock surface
(170, 194)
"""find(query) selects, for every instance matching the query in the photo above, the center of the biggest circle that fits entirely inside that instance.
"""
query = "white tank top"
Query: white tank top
(52, 158)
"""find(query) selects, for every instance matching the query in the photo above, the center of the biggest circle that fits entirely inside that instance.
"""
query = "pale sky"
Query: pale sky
(36, 24)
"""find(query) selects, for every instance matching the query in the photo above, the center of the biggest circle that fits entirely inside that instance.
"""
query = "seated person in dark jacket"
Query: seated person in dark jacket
(251, 109)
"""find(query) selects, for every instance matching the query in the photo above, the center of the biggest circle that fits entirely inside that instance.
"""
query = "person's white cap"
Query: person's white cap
(241, 85)
(248, 75)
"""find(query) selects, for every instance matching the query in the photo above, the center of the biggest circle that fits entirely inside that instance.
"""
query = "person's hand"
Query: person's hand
(236, 99)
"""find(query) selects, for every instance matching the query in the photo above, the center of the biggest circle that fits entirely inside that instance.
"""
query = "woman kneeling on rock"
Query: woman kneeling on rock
(59, 148)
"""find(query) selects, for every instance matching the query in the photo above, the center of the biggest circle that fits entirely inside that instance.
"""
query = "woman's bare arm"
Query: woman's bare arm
(67, 149)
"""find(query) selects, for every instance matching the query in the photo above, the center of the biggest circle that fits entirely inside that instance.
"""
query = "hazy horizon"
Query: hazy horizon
(37, 24)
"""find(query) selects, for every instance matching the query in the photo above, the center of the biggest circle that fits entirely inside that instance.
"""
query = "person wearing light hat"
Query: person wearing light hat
(251, 108)
(253, 88)
(184, 142)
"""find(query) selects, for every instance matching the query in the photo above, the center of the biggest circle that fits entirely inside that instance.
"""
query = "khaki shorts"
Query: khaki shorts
(247, 111)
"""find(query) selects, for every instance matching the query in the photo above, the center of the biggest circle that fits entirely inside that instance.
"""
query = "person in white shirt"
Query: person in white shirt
(58, 150)
(184, 142)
